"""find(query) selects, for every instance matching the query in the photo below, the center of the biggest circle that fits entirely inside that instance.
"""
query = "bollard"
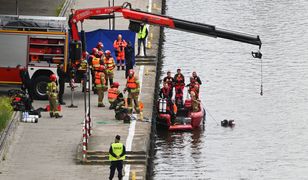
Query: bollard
(133, 175)
(141, 116)
(155, 7)
(146, 71)
(149, 45)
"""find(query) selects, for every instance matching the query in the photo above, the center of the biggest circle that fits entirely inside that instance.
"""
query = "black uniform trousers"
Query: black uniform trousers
(116, 165)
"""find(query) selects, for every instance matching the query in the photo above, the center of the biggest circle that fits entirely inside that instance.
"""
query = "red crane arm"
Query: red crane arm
(82, 14)
(165, 21)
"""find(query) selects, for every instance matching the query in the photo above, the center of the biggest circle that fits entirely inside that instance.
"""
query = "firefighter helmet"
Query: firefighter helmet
(131, 71)
(101, 68)
(94, 51)
(100, 44)
(115, 84)
(53, 77)
(107, 53)
(100, 53)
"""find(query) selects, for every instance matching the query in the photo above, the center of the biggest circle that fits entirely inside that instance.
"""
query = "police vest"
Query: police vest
(142, 32)
(109, 63)
(112, 94)
(98, 80)
(117, 149)
(131, 83)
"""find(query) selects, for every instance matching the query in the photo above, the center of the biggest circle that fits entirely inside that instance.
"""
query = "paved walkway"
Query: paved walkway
(47, 150)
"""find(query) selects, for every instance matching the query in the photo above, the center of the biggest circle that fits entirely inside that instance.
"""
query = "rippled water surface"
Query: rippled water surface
(270, 139)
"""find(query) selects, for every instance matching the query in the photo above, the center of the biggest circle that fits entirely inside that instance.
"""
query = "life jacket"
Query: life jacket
(131, 83)
(117, 149)
(179, 80)
(112, 93)
(98, 78)
(95, 63)
(169, 80)
(109, 63)
(195, 88)
(166, 92)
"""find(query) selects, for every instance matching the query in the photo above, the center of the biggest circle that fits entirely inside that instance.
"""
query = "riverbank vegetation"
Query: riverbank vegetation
(6, 111)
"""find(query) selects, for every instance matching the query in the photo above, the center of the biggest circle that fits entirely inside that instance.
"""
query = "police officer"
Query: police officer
(52, 91)
(142, 35)
(117, 154)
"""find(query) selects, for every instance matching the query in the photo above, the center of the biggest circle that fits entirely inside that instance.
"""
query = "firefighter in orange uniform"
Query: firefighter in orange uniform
(113, 92)
(119, 46)
(100, 82)
(109, 65)
(132, 86)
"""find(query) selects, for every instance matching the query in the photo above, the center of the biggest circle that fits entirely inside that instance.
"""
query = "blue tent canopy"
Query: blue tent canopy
(107, 37)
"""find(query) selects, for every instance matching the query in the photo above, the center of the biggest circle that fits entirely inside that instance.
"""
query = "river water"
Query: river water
(270, 138)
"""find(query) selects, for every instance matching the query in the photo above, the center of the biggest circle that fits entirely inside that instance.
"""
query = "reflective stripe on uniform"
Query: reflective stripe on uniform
(131, 83)
(112, 94)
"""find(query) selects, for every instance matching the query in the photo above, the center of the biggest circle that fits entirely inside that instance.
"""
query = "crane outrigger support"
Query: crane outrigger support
(136, 17)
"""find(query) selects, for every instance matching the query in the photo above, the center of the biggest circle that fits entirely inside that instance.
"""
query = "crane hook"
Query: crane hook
(257, 54)
(127, 4)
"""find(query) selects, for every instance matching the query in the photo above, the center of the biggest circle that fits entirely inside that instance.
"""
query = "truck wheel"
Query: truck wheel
(39, 87)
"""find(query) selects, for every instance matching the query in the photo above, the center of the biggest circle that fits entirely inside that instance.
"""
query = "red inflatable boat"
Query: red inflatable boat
(183, 120)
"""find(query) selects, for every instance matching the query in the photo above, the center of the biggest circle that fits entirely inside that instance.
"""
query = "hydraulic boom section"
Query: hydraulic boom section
(136, 17)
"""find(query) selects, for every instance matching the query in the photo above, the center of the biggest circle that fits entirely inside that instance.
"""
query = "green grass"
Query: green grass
(6, 111)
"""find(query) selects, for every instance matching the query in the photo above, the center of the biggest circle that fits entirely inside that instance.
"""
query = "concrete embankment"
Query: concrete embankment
(47, 150)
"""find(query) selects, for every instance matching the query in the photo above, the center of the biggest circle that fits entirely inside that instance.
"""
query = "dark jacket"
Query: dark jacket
(197, 78)
(62, 75)
(129, 52)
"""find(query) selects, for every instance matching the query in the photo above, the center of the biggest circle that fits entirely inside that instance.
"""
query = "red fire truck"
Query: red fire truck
(35, 42)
